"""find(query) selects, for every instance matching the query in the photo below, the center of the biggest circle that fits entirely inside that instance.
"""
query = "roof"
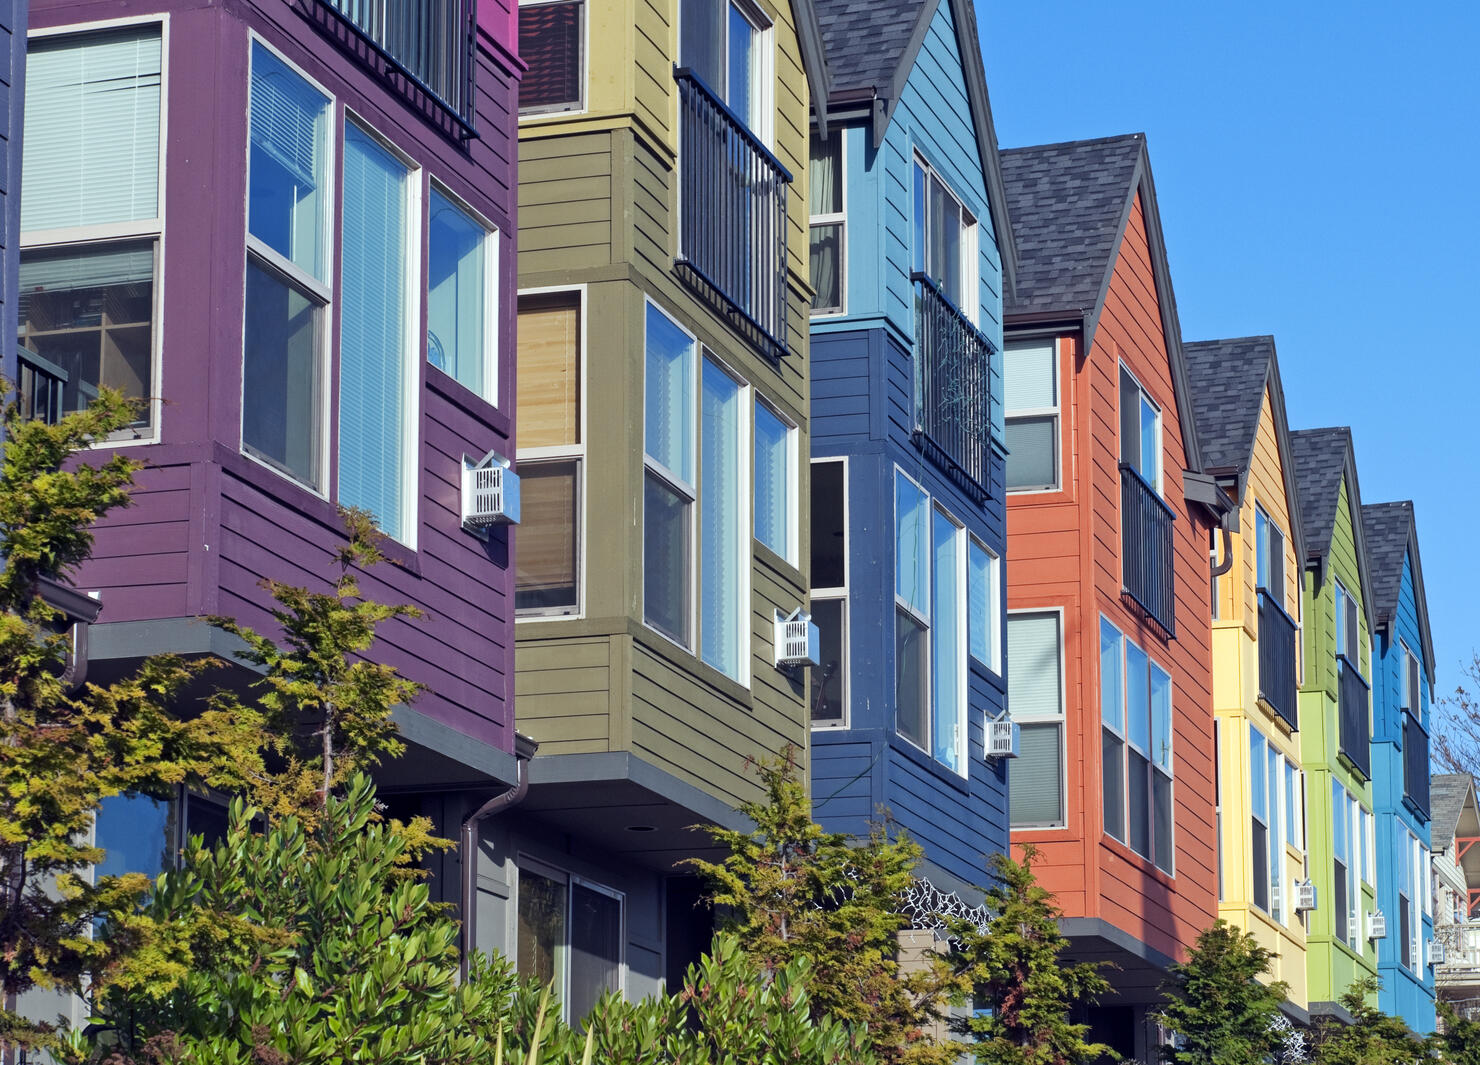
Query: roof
(1323, 457)
(1391, 532)
(1447, 793)
(871, 47)
(814, 56)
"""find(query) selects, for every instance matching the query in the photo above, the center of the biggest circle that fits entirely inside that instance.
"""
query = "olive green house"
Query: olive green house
(1335, 723)
(662, 449)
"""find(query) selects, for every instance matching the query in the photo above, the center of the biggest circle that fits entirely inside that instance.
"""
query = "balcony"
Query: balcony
(39, 386)
(428, 45)
(953, 388)
(1415, 764)
(1461, 967)
(1146, 549)
(1277, 660)
(732, 216)
(1353, 709)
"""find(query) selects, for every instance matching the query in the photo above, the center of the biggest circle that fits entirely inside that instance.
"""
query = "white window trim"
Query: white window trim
(492, 237)
(523, 862)
(839, 594)
(994, 605)
(141, 229)
(971, 279)
(567, 452)
(838, 218)
(1158, 482)
(928, 657)
(1410, 701)
(548, 113)
(1009, 414)
(793, 492)
(1060, 719)
(962, 595)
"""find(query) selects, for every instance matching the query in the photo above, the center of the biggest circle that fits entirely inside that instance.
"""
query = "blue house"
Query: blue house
(1402, 686)
(911, 249)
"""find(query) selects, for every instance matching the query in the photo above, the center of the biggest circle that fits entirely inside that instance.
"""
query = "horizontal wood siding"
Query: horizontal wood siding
(140, 563)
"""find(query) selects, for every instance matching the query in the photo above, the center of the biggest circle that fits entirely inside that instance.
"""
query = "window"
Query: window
(830, 591)
(460, 296)
(552, 39)
(140, 834)
(1269, 550)
(1345, 888)
(1136, 747)
(1218, 800)
(912, 610)
(948, 639)
(1276, 836)
(945, 240)
(570, 935)
(1031, 398)
(1348, 630)
(1292, 821)
(1412, 683)
(828, 223)
(552, 454)
(775, 482)
(1140, 430)
(984, 600)
(91, 216)
(1035, 692)
(722, 544)
(1260, 815)
(1407, 847)
(672, 469)
(724, 44)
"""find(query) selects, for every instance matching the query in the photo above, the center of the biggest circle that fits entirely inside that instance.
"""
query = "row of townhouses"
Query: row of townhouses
(826, 424)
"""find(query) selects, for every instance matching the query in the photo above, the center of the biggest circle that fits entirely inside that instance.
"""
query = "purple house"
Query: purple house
(291, 224)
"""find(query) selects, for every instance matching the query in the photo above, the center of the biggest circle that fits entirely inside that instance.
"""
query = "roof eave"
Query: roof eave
(814, 59)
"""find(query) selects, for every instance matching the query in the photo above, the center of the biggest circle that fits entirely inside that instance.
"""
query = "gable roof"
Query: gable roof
(1391, 532)
(1071, 203)
(1323, 458)
(1229, 379)
(814, 55)
(1447, 795)
(871, 47)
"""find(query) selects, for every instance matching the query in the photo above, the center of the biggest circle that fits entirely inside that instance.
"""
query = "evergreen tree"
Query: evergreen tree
(1220, 1009)
(1373, 1037)
(1017, 973)
(1459, 1043)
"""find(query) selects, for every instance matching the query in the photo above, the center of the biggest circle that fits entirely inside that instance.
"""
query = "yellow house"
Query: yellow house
(1257, 600)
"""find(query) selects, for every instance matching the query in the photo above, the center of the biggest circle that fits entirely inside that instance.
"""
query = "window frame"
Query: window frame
(837, 593)
(927, 657)
(97, 236)
(490, 392)
(959, 597)
(535, 113)
(575, 453)
(838, 218)
(993, 620)
(1409, 699)
(1124, 738)
(792, 488)
(1345, 606)
(971, 279)
(1157, 482)
(1059, 720)
(524, 861)
(1267, 533)
(1053, 413)
(765, 72)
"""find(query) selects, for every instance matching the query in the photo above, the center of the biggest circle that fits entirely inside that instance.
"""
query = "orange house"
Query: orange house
(1110, 519)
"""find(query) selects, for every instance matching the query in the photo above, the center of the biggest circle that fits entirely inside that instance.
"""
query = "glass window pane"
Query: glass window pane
(595, 948)
(1112, 691)
(825, 186)
(287, 181)
(280, 376)
(1161, 826)
(911, 696)
(550, 39)
(373, 384)
(665, 560)
(669, 403)
(1161, 718)
(1033, 675)
(1259, 866)
(829, 560)
(740, 93)
(722, 544)
(1292, 825)
(829, 676)
(1150, 442)
(1032, 446)
(1130, 420)
(1029, 375)
(984, 605)
(1138, 806)
(541, 934)
(912, 545)
(1258, 781)
(549, 370)
(773, 488)
(457, 293)
(1137, 698)
(138, 834)
(1112, 762)
(91, 313)
(546, 553)
(826, 257)
(702, 41)
(948, 643)
(206, 818)
(1036, 782)
(92, 105)
(920, 225)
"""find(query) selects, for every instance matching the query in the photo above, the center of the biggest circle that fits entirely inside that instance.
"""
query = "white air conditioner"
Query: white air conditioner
(1002, 738)
(1436, 952)
(798, 641)
(1376, 925)
(1305, 895)
(490, 494)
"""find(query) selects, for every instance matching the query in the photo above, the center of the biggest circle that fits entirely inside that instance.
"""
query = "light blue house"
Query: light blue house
(911, 248)
(1402, 687)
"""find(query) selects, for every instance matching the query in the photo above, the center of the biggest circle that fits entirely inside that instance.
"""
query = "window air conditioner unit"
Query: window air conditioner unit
(1436, 952)
(1377, 925)
(1002, 738)
(1305, 895)
(490, 494)
(798, 641)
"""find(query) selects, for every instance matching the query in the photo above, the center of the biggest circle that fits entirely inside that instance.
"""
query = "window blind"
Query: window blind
(111, 265)
(1033, 656)
(457, 288)
(1036, 780)
(772, 481)
(720, 529)
(912, 545)
(92, 129)
(549, 371)
(1028, 373)
(668, 430)
(284, 114)
(948, 644)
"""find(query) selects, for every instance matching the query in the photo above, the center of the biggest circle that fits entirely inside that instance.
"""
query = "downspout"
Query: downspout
(1220, 568)
(524, 749)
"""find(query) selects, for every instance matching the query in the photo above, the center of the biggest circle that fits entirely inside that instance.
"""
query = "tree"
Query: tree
(1459, 1043)
(791, 891)
(63, 752)
(1016, 971)
(1457, 745)
(1221, 1009)
(1373, 1037)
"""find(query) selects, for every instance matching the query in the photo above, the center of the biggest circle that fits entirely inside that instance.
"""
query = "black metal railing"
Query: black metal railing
(953, 385)
(1415, 763)
(1352, 707)
(1146, 548)
(39, 387)
(1277, 659)
(429, 43)
(732, 215)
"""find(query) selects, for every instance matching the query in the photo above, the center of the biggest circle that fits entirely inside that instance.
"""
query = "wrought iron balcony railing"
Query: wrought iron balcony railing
(1354, 711)
(39, 387)
(1277, 659)
(1415, 763)
(732, 215)
(431, 44)
(953, 387)
(1146, 549)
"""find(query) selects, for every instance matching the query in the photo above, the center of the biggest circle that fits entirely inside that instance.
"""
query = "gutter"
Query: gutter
(524, 749)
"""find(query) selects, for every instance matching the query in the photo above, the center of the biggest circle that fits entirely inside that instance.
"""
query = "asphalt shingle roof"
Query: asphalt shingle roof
(1320, 461)
(1227, 378)
(865, 40)
(1446, 802)
(1385, 527)
(1067, 203)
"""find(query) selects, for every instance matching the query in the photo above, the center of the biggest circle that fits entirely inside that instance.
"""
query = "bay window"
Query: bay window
(672, 471)
(828, 223)
(775, 482)
(460, 277)
(552, 41)
(1031, 401)
(912, 610)
(1136, 747)
(722, 545)
(91, 217)
(948, 640)
(1259, 821)
(1343, 902)
(569, 936)
(830, 591)
(1407, 847)
(1035, 692)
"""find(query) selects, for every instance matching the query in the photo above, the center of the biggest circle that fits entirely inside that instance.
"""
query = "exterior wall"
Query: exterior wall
(13, 19)
(1238, 706)
(1332, 966)
(1063, 552)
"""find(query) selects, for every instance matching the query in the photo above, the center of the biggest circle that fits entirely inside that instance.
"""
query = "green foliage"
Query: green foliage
(791, 891)
(1016, 970)
(1373, 1037)
(1459, 1043)
(61, 752)
(1218, 1004)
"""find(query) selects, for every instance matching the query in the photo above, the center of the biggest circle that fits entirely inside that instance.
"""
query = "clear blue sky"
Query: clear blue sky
(1318, 170)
